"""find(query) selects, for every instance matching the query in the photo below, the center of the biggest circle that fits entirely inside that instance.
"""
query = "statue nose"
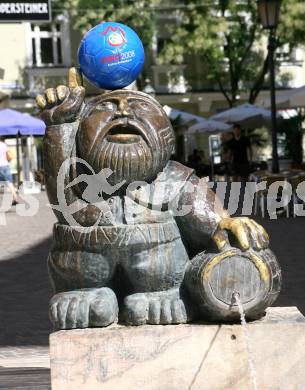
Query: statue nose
(123, 109)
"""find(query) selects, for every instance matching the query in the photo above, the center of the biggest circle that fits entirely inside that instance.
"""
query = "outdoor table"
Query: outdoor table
(286, 175)
(292, 176)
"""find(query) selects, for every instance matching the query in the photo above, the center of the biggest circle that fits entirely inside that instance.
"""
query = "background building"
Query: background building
(35, 56)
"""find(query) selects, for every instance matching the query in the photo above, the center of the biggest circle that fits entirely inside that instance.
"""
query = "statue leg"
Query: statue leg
(156, 274)
(80, 280)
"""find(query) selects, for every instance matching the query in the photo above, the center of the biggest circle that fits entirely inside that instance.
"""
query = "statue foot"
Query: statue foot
(96, 307)
(161, 307)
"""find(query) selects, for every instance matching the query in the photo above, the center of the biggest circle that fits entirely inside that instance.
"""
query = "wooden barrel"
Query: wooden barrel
(212, 279)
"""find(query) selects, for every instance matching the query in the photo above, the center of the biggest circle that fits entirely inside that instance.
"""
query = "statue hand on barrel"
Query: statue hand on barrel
(249, 234)
(63, 103)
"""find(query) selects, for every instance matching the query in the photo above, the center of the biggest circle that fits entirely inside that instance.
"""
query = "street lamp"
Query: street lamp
(268, 11)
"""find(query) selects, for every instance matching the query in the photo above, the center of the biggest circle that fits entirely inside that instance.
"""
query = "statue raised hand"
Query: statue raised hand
(63, 103)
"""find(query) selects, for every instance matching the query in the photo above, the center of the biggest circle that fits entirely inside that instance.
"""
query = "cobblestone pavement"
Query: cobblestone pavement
(24, 284)
(25, 289)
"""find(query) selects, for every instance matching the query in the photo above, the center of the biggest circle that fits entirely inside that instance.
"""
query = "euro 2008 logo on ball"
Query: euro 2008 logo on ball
(111, 55)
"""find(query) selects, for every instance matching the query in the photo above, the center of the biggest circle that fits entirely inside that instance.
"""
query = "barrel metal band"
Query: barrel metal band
(260, 265)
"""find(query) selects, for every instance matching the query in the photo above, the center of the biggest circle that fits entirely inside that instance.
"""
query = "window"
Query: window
(289, 55)
(46, 44)
(161, 43)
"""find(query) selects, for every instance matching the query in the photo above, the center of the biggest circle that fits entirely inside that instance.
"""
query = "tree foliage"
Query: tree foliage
(230, 41)
(138, 14)
(226, 34)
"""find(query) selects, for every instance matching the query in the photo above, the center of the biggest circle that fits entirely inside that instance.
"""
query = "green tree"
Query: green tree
(229, 39)
(137, 14)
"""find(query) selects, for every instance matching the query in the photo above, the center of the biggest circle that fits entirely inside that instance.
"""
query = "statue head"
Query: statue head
(128, 132)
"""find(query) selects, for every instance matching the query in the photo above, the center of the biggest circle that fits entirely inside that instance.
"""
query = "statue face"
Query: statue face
(128, 132)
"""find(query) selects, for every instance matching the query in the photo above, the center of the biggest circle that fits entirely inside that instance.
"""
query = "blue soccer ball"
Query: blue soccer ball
(111, 55)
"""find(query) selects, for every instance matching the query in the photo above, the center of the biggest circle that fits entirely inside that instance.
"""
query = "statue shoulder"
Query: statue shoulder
(165, 188)
(174, 172)
(170, 182)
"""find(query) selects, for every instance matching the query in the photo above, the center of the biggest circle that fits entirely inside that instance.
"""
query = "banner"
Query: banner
(31, 10)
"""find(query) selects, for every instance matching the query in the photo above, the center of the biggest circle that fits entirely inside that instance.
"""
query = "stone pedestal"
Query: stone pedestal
(184, 357)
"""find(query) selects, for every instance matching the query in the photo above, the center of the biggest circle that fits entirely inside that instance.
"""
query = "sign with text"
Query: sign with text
(30, 10)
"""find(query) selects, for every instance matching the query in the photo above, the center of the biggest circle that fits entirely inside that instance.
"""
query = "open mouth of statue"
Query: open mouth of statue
(124, 135)
(124, 132)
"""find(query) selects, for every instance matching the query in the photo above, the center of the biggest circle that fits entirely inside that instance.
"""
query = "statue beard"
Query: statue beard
(128, 161)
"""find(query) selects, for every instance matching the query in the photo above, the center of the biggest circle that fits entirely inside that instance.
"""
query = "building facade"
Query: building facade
(35, 56)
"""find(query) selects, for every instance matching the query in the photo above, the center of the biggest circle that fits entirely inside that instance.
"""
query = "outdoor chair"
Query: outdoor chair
(257, 177)
(263, 196)
(295, 181)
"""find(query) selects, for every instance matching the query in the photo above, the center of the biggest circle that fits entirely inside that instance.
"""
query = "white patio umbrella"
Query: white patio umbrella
(185, 117)
(293, 98)
(288, 113)
(247, 115)
(209, 126)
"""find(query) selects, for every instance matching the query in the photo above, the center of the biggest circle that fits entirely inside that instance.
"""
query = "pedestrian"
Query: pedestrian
(194, 159)
(240, 153)
(5, 170)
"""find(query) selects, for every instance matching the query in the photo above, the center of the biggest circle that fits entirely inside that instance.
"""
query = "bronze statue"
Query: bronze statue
(132, 253)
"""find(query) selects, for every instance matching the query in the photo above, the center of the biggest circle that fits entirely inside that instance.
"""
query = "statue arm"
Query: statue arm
(199, 213)
(58, 144)
(59, 150)
(61, 108)
(205, 222)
